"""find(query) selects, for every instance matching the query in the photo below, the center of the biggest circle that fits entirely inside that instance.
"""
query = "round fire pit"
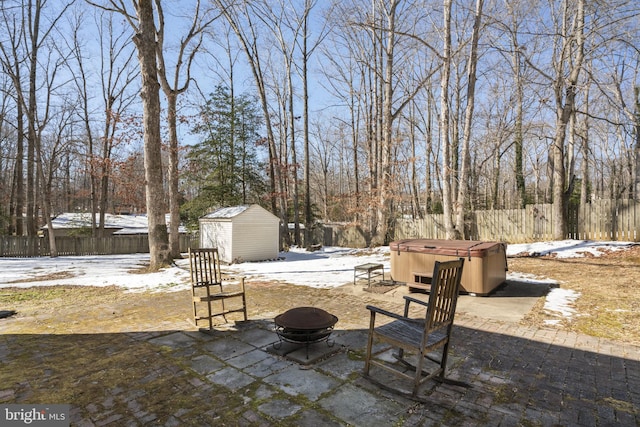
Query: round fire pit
(305, 325)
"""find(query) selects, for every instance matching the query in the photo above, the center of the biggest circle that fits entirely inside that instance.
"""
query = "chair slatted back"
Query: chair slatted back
(204, 266)
(443, 295)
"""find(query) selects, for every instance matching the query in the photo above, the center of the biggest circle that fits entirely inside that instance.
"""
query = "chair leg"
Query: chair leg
(224, 309)
(417, 380)
(195, 311)
(367, 361)
(441, 377)
(244, 301)
(400, 355)
(443, 361)
(209, 311)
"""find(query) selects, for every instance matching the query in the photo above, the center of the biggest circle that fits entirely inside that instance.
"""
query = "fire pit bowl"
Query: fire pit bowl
(305, 325)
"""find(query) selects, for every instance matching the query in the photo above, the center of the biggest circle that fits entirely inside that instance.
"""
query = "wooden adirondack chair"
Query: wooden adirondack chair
(210, 291)
(424, 339)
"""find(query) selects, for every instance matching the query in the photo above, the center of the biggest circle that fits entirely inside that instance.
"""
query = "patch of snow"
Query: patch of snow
(566, 248)
(559, 302)
(530, 278)
(125, 224)
(326, 268)
(100, 270)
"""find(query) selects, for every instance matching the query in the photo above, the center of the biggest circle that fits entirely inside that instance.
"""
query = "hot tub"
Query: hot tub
(485, 266)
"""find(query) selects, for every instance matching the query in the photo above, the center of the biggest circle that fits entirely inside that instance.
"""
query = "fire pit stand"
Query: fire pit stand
(304, 326)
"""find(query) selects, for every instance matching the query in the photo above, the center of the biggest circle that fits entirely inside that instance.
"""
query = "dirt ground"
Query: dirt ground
(609, 294)
(607, 307)
(88, 345)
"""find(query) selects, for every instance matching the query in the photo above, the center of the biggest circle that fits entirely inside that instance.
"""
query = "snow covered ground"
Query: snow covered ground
(328, 267)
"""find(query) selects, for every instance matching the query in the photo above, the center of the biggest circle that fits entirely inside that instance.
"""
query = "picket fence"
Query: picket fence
(617, 220)
(22, 246)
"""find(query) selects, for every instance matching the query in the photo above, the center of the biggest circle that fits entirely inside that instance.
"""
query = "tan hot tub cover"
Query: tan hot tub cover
(484, 270)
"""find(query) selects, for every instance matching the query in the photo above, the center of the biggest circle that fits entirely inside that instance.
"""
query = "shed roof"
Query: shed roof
(234, 211)
(228, 212)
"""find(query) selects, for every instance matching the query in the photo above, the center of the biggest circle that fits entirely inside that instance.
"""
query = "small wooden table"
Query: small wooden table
(368, 270)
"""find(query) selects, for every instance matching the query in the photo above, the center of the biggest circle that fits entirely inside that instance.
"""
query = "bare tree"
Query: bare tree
(306, 52)
(240, 18)
(518, 76)
(286, 31)
(569, 62)
(188, 47)
(116, 79)
(26, 37)
(347, 88)
(142, 21)
(11, 60)
(50, 165)
(445, 122)
(630, 106)
(145, 41)
(472, 65)
(8, 159)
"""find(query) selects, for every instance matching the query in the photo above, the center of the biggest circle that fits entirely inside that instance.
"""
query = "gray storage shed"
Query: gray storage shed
(241, 233)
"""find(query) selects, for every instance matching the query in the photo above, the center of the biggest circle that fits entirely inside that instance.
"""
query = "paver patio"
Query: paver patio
(168, 373)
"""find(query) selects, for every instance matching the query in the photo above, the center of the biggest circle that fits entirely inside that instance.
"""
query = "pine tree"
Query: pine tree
(225, 167)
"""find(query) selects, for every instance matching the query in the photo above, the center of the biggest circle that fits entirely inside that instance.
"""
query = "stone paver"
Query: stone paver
(518, 376)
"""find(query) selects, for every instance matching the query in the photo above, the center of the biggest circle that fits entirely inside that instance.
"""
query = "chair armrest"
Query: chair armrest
(396, 316)
(384, 312)
(417, 301)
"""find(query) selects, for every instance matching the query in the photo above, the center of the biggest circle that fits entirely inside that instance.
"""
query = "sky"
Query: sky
(326, 268)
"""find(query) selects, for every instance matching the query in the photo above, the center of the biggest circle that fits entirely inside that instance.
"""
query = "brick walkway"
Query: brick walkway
(176, 376)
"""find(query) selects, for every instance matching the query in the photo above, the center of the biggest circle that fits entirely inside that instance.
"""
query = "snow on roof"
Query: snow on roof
(228, 212)
(125, 224)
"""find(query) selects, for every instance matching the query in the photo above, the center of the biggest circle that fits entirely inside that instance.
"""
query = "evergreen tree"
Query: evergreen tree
(225, 167)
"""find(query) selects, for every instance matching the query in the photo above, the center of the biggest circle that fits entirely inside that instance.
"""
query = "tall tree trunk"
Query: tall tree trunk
(105, 169)
(19, 171)
(429, 196)
(447, 167)
(415, 193)
(385, 216)
(173, 175)
(636, 148)
(145, 41)
(46, 204)
(248, 39)
(172, 91)
(355, 131)
(519, 119)
(463, 185)
(294, 161)
(305, 117)
(32, 140)
(584, 149)
(565, 96)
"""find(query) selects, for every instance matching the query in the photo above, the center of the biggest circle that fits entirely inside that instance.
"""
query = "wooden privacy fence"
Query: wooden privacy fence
(598, 220)
(15, 246)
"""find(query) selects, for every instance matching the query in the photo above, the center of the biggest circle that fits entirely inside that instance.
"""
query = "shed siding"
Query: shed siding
(251, 235)
(217, 234)
(258, 242)
(255, 235)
